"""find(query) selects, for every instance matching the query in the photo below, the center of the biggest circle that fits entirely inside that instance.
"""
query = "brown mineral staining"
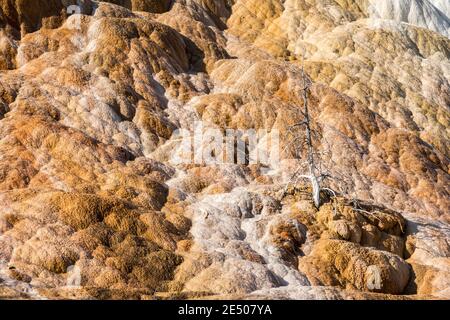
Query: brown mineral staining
(288, 235)
(338, 262)
(428, 280)
(154, 6)
(91, 196)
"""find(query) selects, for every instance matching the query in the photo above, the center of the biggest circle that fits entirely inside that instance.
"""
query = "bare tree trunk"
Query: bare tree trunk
(314, 173)
(313, 166)
(316, 190)
(315, 183)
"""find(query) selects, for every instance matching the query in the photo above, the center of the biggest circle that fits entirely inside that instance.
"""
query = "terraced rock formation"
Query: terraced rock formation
(93, 95)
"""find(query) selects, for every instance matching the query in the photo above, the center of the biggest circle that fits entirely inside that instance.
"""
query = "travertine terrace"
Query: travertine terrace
(91, 99)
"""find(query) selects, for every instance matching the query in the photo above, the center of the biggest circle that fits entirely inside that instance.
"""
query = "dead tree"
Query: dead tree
(313, 176)
(315, 173)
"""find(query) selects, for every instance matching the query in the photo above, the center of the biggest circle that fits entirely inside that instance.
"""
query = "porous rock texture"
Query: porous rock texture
(90, 102)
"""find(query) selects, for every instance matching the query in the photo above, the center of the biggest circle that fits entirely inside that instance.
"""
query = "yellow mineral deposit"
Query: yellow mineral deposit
(92, 92)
